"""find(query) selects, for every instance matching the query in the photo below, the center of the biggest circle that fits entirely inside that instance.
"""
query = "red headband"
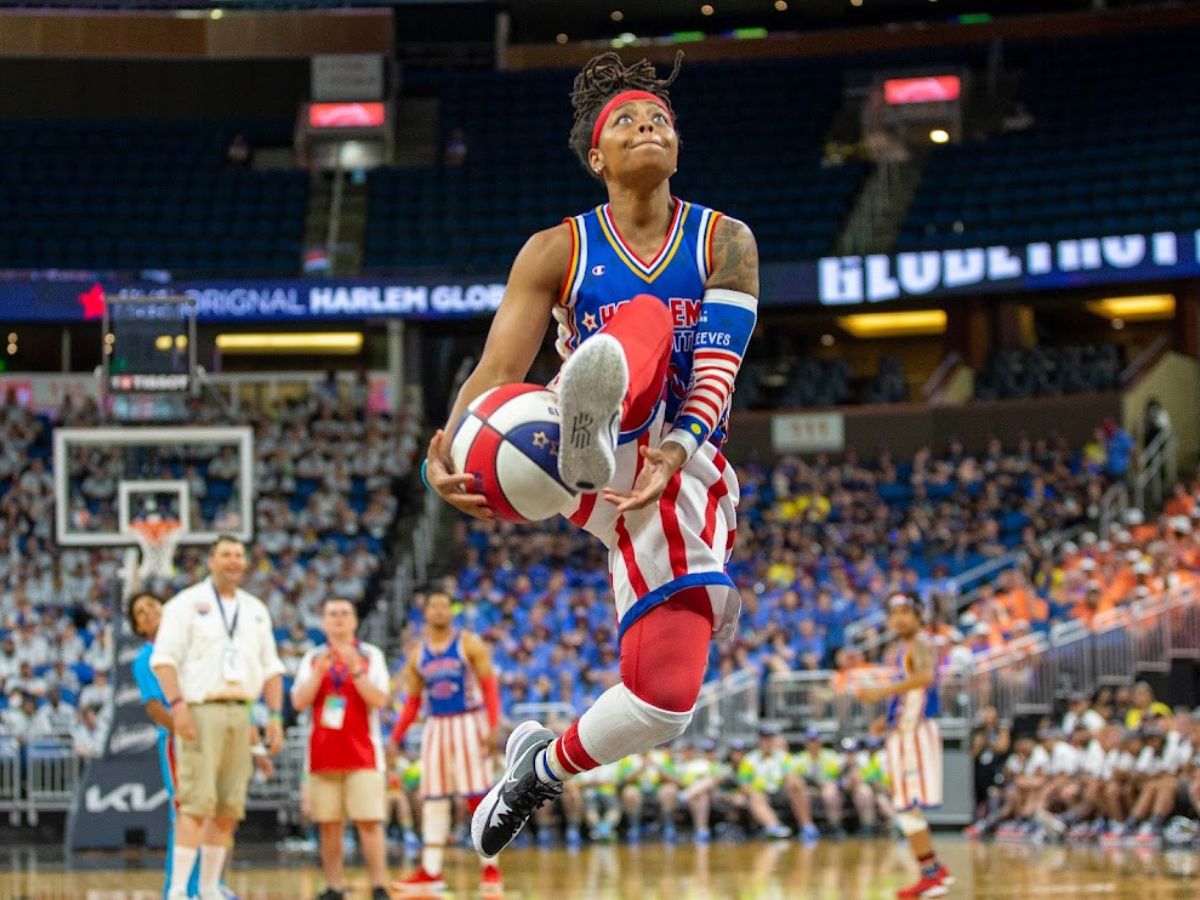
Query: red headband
(624, 97)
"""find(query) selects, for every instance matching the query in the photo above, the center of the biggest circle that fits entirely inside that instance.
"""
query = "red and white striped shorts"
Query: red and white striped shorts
(453, 761)
(683, 541)
(914, 761)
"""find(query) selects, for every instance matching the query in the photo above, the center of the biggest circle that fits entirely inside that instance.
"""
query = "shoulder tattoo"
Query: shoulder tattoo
(735, 257)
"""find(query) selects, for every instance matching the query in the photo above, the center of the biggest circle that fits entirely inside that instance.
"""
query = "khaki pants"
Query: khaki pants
(358, 795)
(213, 771)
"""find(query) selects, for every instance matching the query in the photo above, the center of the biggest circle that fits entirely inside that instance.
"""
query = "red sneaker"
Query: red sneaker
(490, 882)
(420, 884)
(932, 886)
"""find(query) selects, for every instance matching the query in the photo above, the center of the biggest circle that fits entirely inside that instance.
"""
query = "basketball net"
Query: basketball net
(157, 539)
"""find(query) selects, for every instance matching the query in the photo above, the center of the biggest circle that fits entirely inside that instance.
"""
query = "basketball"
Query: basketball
(508, 439)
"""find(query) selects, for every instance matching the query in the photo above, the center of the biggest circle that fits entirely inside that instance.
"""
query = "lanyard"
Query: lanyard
(230, 627)
(339, 671)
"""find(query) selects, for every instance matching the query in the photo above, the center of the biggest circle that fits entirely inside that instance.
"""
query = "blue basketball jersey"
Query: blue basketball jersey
(909, 709)
(148, 686)
(449, 681)
(604, 273)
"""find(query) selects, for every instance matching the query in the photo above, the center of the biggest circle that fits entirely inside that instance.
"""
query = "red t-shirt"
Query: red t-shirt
(344, 733)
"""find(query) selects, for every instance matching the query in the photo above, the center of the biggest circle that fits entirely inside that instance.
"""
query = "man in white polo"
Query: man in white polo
(345, 683)
(214, 655)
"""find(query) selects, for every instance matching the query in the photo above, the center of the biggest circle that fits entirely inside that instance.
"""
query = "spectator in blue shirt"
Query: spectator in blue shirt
(809, 646)
(1119, 448)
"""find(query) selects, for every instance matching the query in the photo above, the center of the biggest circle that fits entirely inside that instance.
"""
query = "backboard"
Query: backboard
(106, 478)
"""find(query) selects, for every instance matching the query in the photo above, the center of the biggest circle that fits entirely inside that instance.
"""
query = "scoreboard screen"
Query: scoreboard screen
(149, 357)
(148, 345)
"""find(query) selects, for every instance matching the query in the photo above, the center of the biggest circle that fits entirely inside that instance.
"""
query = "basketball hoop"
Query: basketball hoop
(157, 539)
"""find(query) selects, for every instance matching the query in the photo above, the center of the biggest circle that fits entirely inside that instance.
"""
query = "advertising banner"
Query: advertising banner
(808, 433)
(122, 800)
(832, 281)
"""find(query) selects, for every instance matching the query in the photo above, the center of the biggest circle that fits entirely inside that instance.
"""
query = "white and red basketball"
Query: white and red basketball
(508, 439)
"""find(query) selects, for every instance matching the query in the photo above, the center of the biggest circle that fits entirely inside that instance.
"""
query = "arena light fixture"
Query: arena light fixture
(939, 136)
(913, 323)
(1139, 308)
(923, 89)
(323, 342)
(781, 5)
(346, 115)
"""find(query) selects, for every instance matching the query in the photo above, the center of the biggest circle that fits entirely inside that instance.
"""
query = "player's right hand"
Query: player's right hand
(185, 725)
(452, 487)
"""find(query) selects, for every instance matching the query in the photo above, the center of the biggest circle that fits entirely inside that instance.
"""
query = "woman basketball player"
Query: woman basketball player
(655, 300)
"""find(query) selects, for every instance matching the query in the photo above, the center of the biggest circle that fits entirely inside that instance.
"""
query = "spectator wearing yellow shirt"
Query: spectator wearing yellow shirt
(820, 768)
(770, 786)
(808, 505)
(1144, 705)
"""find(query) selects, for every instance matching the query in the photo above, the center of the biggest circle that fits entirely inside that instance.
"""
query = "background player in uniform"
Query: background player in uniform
(656, 300)
(145, 614)
(914, 742)
(453, 671)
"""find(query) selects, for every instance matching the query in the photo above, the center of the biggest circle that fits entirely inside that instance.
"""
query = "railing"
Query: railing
(727, 709)
(334, 225)
(555, 716)
(10, 777)
(46, 774)
(1113, 504)
(51, 774)
(1025, 677)
(961, 586)
(412, 569)
(1143, 360)
(1157, 468)
(935, 382)
(281, 792)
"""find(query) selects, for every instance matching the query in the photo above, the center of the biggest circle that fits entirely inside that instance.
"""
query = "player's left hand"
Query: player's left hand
(274, 737)
(489, 743)
(661, 464)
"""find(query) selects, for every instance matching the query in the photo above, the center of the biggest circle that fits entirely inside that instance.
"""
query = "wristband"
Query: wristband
(424, 477)
(276, 716)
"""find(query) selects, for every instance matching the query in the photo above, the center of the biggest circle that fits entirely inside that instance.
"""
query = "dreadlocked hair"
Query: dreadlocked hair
(602, 78)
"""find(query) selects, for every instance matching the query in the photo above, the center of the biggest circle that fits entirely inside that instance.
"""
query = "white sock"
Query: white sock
(182, 861)
(435, 828)
(212, 863)
(547, 767)
(485, 861)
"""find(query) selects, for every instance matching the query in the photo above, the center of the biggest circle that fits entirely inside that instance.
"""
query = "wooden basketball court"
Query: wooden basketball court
(851, 870)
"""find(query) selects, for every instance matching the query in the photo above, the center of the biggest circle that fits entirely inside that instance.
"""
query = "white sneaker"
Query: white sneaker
(591, 387)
